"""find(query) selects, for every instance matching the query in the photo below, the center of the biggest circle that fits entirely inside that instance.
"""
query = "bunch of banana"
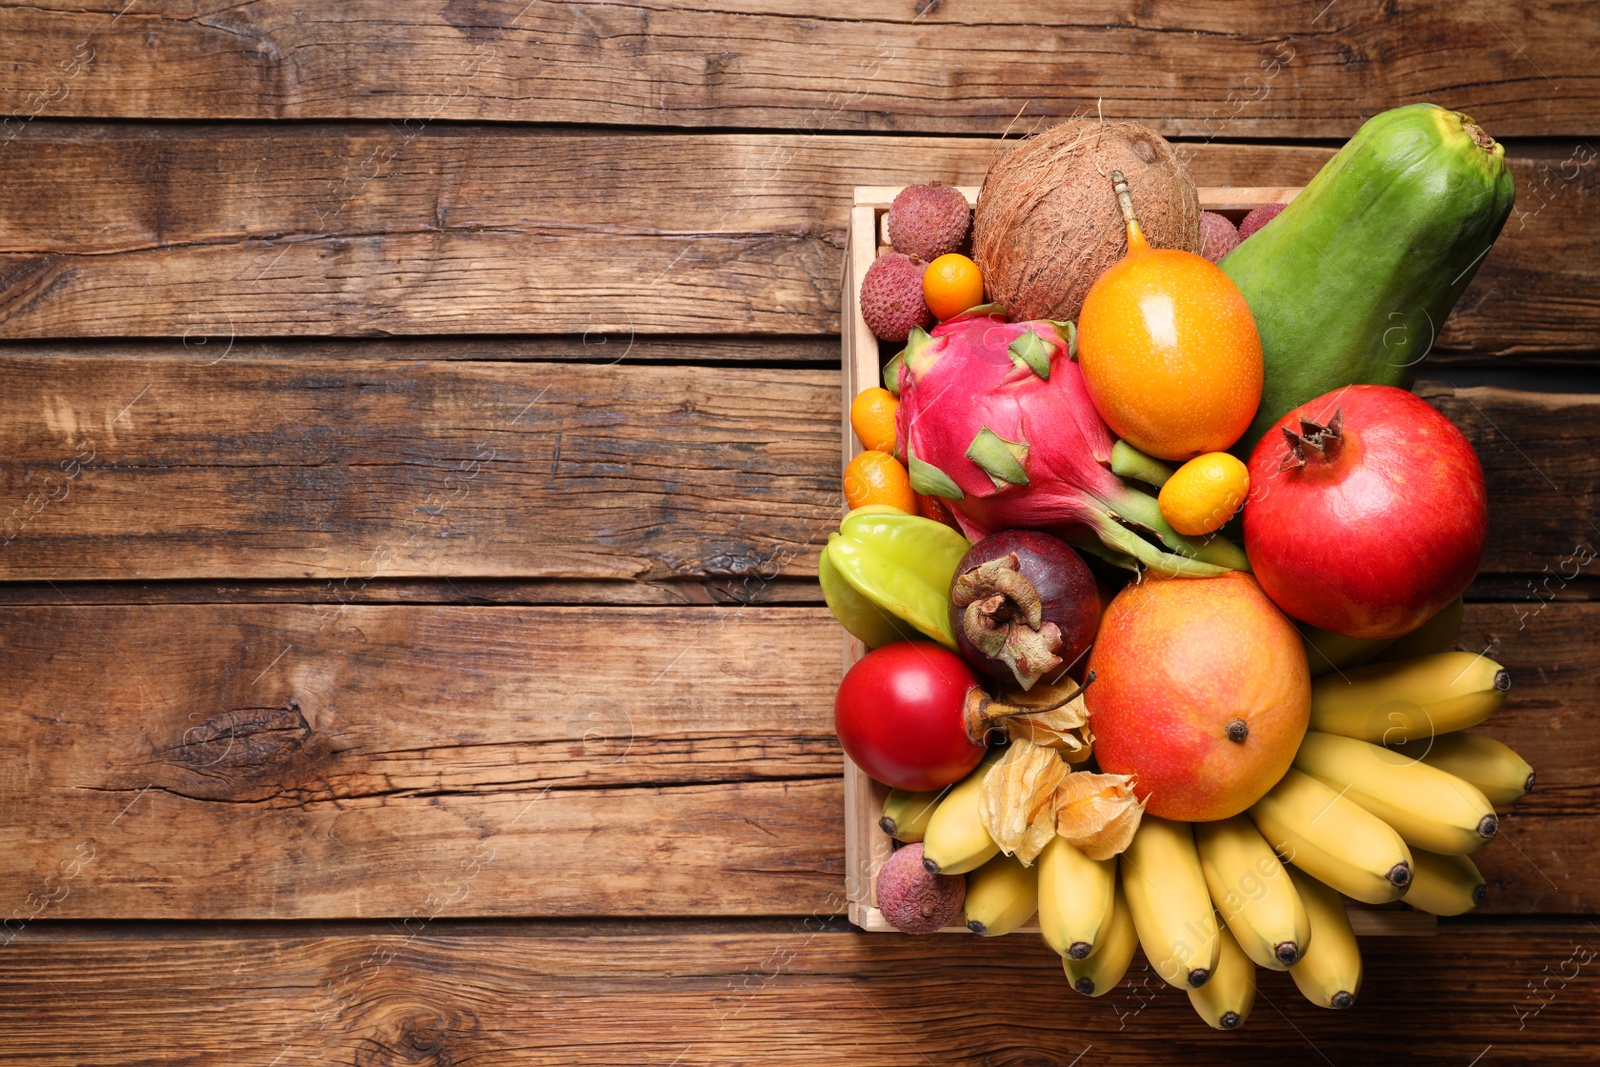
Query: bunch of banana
(954, 840)
(1001, 896)
(1408, 700)
(1166, 892)
(906, 814)
(1252, 892)
(1384, 801)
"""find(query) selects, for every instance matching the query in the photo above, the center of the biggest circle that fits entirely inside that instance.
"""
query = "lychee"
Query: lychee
(927, 221)
(891, 297)
(915, 901)
(1259, 218)
(1218, 235)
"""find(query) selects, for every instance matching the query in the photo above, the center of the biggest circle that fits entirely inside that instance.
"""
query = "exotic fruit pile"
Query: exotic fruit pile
(1159, 563)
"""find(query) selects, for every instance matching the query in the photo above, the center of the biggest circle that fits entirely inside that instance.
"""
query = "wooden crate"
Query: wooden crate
(866, 847)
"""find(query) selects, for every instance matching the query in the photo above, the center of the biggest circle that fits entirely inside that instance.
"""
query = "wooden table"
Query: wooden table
(419, 422)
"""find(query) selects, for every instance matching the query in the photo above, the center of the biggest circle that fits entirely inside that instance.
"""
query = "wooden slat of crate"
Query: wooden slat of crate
(866, 845)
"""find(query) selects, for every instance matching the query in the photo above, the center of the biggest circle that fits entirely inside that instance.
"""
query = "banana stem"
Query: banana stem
(1129, 462)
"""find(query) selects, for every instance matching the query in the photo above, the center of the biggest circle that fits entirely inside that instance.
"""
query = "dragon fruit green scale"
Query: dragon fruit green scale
(994, 417)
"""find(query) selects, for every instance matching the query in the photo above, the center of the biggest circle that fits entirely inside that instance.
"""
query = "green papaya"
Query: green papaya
(1353, 281)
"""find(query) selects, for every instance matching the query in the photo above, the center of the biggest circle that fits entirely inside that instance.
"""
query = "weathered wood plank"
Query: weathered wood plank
(803, 996)
(732, 591)
(1544, 481)
(596, 348)
(233, 232)
(613, 760)
(1198, 69)
(353, 471)
(338, 761)
(1546, 855)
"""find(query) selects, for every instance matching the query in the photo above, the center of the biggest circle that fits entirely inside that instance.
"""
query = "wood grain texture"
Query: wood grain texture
(328, 761)
(802, 996)
(276, 761)
(215, 233)
(1195, 69)
(354, 471)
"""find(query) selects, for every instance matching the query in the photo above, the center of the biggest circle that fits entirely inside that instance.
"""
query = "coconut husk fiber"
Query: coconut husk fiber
(1047, 222)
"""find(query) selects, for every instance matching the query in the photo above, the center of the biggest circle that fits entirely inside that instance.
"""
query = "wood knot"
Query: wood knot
(245, 754)
(421, 1035)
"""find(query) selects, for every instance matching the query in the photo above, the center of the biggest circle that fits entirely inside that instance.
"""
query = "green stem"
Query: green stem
(1121, 538)
(1144, 510)
(1129, 462)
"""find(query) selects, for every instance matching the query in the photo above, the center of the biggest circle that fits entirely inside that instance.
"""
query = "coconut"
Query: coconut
(1047, 223)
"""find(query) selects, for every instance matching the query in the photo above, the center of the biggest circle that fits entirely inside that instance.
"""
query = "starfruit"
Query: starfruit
(901, 566)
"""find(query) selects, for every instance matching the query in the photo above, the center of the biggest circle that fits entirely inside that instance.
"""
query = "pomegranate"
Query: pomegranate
(1023, 605)
(1367, 512)
(1201, 692)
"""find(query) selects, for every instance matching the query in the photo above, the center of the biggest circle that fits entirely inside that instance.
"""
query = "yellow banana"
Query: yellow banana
(1444, 885)
(1429, 808)
(1076, 894)
(906, 814)
(1435, 635)
(1171, 908)
(1225, 1001)
(1100, 972)
(1329, 974)
(1501, 774)
(1387, 703)
(955, 841)
(1252, 892)
(1332, 838)
(1001, 896)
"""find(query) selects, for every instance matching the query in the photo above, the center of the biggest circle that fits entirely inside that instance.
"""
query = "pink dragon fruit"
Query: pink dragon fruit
(994, 417)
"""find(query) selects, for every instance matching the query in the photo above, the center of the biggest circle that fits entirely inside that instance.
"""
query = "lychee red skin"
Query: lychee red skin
(927, 221)
(1259, 218)
(1218, 235)
(891, 297)
(915, 901)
